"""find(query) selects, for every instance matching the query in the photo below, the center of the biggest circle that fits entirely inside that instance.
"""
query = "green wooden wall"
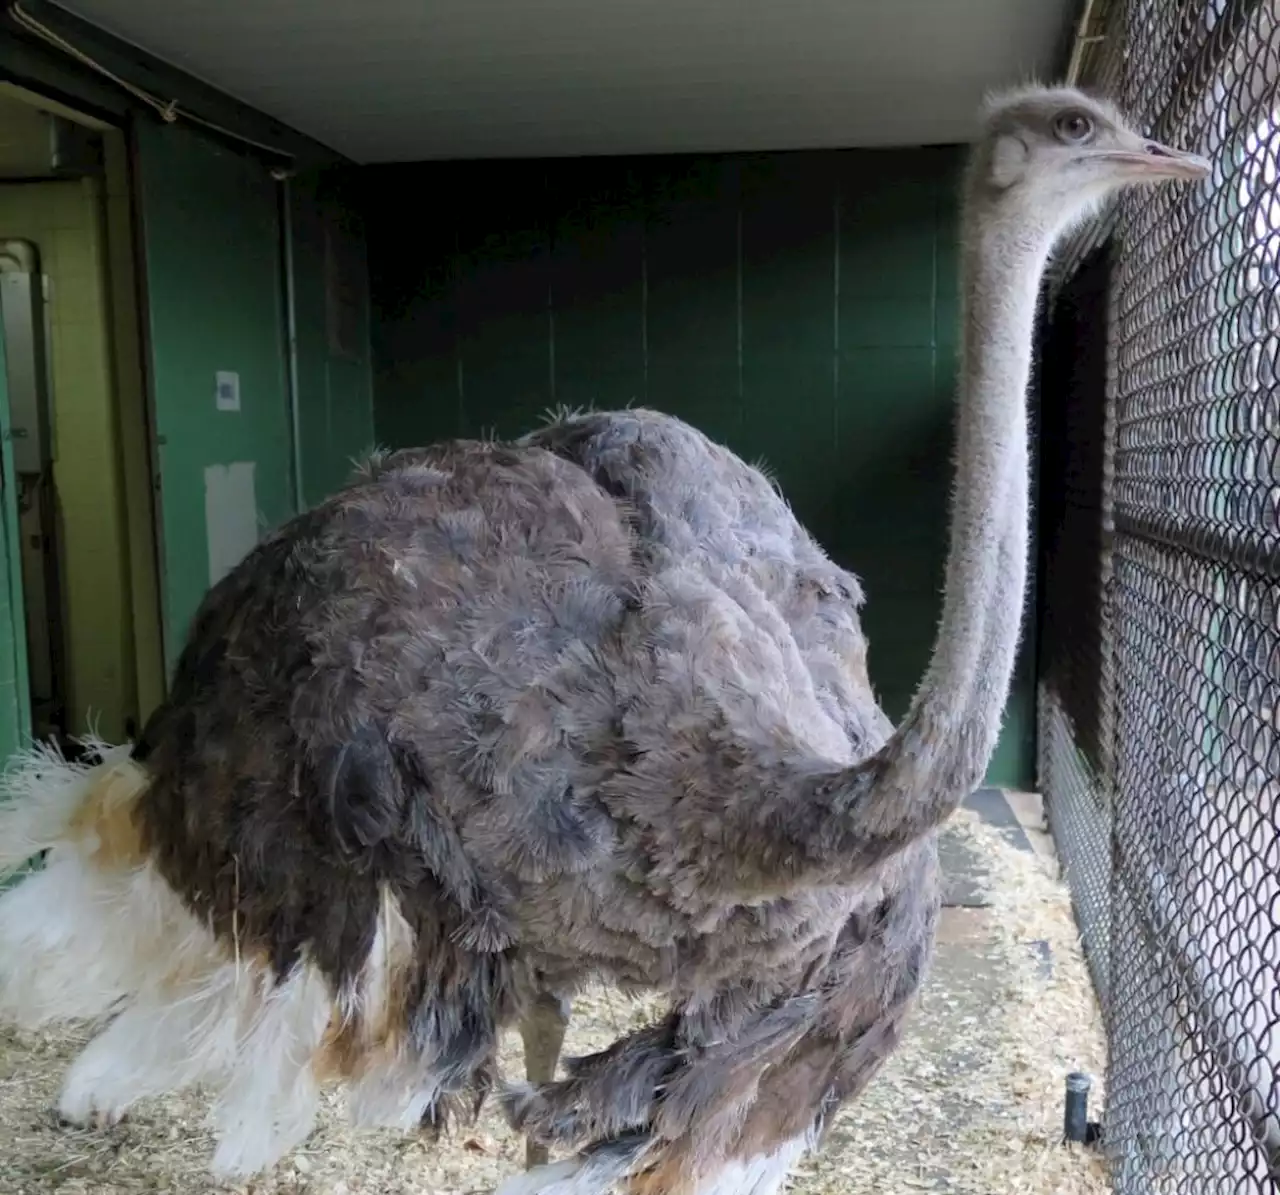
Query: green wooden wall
(214, 246)
(800, 307)
(210, 220)
(213, 257)
(331, 330)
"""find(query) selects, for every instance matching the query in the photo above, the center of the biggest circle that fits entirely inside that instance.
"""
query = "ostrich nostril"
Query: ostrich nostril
(1155, 149)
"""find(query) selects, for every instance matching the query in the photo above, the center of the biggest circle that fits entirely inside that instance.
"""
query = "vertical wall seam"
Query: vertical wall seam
(835, 315)
(933, 293)
(742, 395)
(644, 299)
(548, 220)
(291, 342)
(459, 372)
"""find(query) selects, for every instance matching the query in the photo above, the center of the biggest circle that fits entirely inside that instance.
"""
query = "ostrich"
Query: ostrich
(500, 718)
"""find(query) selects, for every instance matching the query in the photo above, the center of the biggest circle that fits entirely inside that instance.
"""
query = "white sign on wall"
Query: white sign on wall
(227, 390)
(230, 515)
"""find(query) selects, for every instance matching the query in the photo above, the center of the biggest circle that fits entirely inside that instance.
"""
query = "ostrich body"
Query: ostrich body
(502, 718)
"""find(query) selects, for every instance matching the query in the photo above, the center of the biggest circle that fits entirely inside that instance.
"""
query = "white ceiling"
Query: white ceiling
(401, 80)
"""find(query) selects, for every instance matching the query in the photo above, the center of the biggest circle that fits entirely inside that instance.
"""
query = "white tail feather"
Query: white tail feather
(559, 1178)
(764, 1174)
(151, 1049)
(394, 1090)
(71, 938)
(40, 791)
(270, 1102)
(396, 1095)
(593, 1174)
(98, 931)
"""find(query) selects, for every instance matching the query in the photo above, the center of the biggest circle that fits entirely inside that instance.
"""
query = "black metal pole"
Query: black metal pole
(1075, 1119)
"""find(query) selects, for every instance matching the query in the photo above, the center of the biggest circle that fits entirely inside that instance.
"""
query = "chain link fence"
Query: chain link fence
(1159, 686)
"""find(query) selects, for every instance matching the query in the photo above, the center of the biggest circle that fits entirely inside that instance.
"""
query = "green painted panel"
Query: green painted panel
(692, 298)
(15, 699)
(503, 301)
(800, 307)
(414, 335)
(598, 284)
(789, 412)
(946, 316)
(334, 372)
(889, 521)
(213, 269)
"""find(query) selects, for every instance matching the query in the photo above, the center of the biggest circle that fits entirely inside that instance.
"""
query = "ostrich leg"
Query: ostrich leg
(543, 1031)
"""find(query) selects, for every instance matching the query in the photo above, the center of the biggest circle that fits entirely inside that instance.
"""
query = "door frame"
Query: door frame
(9, 532)
(125, 310)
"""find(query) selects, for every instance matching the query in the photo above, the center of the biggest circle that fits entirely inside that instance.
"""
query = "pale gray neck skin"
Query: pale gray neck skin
(940, 751)
(951, 728)
(835, 826)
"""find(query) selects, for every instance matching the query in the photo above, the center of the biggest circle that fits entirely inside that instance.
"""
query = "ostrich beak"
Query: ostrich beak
(1154, 160)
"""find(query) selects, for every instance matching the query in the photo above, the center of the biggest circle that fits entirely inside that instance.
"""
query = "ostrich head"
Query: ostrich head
(1053, 155)
(1044, 160)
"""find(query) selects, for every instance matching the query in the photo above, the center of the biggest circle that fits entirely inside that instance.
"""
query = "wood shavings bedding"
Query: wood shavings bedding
(970, 1105)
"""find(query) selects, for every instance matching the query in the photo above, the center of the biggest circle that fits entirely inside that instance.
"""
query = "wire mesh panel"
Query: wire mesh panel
(1164, 782)
(1073, 722)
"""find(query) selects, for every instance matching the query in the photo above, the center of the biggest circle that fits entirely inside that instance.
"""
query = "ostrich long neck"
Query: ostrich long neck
(835, 825)
(942, 748)
(956, 713)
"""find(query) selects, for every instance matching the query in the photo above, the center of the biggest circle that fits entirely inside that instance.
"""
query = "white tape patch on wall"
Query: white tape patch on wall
(230, 515)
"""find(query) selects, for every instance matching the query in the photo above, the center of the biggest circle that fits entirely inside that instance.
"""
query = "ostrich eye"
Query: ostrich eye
(1073, 127)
